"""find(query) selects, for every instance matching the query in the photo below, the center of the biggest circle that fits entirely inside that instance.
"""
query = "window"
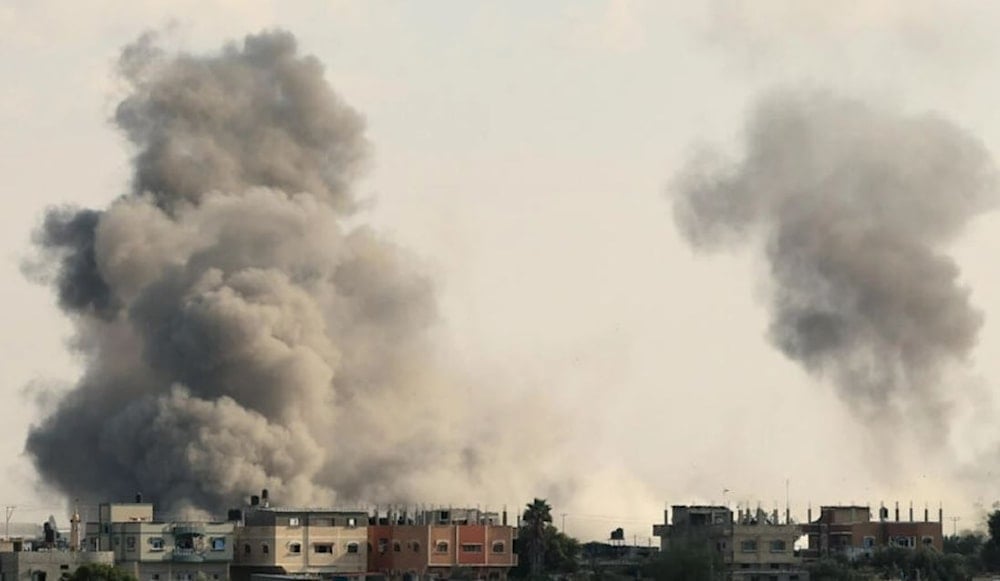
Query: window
(218, 544)
(295, 548)
(868, 542)
(130, 543)
(383, 545)
(293, 521)
(927, 541)
(352, 548)
(156, 544)
(155, 577)
(246, 549)
(498, 546)
(264, 549)
(749, 546)
(778, 546)
(441, 547)
(326, 548)
(396, 547)
(352, 522)
(905, 542)
(472, 548)
(416, 546)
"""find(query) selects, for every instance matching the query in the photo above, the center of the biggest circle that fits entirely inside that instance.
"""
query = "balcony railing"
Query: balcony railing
(188, 556)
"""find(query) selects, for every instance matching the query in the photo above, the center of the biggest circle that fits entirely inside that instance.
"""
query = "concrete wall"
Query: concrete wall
(302, 549)
(31, 565)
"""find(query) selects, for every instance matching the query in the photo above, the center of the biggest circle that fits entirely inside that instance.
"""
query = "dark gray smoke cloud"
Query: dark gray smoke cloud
(237, 335)
(853, 207)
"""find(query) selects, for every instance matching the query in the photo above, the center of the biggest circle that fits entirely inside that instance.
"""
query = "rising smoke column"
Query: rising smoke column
(853, 207)
(236, 334)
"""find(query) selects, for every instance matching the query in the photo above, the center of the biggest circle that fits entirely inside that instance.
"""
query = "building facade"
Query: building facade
(161, 551)
(750, 545)
(849, 531)
(287, 541)
(47, 565)
(441, 543)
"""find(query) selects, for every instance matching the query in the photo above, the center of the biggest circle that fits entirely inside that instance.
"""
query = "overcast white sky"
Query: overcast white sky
(522, 149)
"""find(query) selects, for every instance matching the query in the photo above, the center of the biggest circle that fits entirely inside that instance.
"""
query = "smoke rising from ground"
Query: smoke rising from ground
(853, 207)
(237, 335)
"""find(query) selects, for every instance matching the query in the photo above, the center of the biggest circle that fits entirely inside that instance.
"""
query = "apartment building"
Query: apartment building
(849, 531)
(160, 551)
(752, 545)
(441, 543)
(325, 543)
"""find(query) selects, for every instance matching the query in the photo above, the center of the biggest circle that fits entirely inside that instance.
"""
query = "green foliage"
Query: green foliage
(968, 544)
(834, 570)
(542, 549)
(930, 565)
(99, 572)
(990, 552)
(695, 563)
(535, 522)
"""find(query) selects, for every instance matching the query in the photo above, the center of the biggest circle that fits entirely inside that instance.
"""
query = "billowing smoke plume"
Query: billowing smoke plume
(236, 334)
(853, 207)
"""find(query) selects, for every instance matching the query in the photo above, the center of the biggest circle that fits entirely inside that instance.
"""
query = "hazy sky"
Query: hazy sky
(523, 151)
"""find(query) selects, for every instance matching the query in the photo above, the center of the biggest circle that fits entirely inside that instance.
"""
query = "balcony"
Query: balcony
(189, 528)
(188, 556)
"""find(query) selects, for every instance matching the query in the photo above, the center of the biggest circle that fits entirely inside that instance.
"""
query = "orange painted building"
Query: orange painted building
(436, 543)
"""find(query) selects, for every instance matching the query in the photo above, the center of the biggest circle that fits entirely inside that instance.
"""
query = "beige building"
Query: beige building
(161, 551)
(47, 565)
(286, 541)
(750, 544)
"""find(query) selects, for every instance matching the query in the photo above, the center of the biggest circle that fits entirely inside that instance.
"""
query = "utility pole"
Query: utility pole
(954, 525)
(10, 513)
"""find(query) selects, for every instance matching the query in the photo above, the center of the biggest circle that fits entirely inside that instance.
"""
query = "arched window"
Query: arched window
(246, 549)
(295, 548)
(498, 546)
(352, 547)
(416, 546)
(441, 547)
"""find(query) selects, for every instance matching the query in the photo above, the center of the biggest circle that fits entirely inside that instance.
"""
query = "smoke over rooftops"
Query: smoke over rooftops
(853, 207)
(237, 335)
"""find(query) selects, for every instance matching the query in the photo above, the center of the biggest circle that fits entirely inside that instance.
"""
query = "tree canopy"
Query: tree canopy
(99, 572)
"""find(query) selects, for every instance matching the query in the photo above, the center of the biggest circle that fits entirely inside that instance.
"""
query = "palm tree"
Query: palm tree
(537, 516)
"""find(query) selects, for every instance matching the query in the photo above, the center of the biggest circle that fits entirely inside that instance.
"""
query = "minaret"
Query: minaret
(74, 529)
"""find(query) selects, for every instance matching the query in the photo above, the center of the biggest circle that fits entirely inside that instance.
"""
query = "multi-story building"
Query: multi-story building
(324, 543)
(440, 543)
(750, 545)
(849, 531)
(161, 551)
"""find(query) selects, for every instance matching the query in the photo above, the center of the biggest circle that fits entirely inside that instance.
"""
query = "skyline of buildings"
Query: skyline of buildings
(259, 541)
